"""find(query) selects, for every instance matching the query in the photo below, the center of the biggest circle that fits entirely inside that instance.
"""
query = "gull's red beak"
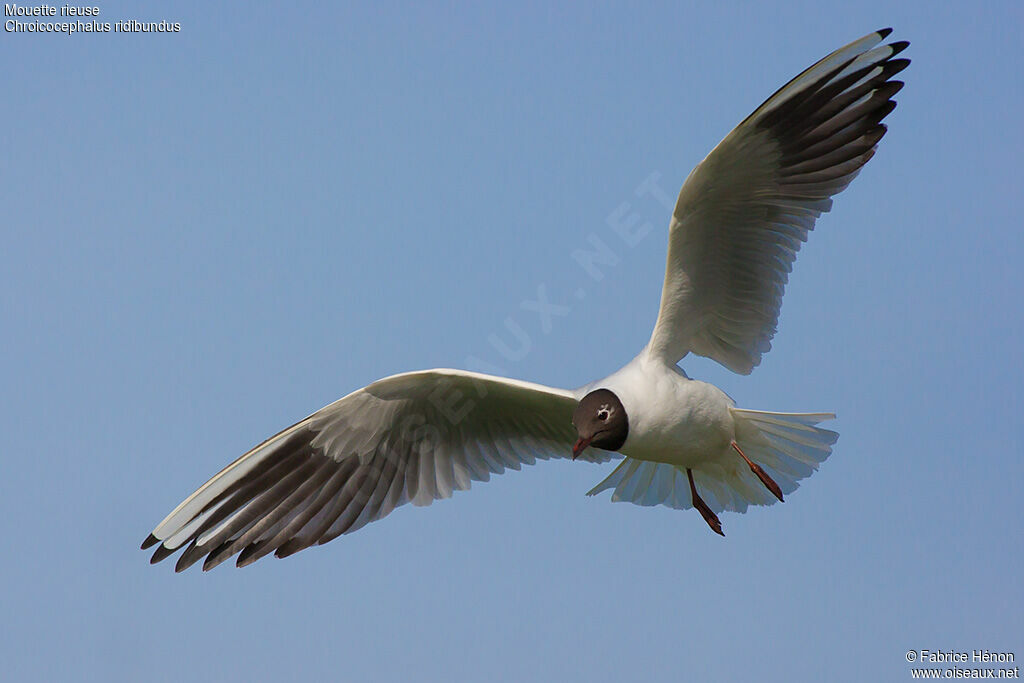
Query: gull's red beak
(578, 447)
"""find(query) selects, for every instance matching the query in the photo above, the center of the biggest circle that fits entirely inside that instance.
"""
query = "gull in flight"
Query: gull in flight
(734, 234)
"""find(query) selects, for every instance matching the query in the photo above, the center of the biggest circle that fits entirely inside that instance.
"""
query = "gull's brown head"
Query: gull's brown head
(600, 421)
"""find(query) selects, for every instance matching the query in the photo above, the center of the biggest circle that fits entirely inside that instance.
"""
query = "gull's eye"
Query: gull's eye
(602, 414)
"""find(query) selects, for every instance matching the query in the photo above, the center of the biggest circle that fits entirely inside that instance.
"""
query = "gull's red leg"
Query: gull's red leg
(710, 517)
(761, 474)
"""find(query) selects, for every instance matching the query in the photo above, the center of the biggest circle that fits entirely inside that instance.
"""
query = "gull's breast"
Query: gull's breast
(679, 421)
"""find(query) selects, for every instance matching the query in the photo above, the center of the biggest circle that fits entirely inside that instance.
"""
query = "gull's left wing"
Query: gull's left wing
(745, 210)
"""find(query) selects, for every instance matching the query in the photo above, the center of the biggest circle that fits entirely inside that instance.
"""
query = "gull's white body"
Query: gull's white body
(678, 424)
(733, 237)
(672, 419)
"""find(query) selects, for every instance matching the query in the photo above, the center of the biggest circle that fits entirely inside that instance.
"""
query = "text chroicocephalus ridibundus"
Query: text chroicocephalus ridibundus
(737, 226)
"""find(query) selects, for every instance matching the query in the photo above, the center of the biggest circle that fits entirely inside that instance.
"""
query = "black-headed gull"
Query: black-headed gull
(734, 234)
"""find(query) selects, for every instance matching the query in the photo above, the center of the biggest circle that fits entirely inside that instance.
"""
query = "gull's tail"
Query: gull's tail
(788, 446)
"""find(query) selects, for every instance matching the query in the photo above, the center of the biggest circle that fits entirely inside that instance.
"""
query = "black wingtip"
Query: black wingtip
(289, 548)
(899, 46)
(189, 557)
(249, 555)
(217, 556)
(892, 88)
(150, 541)
(894, 66)
(161, 553)
(884, 32)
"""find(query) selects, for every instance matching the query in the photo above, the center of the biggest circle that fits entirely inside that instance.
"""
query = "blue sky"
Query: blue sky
(210, 234)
